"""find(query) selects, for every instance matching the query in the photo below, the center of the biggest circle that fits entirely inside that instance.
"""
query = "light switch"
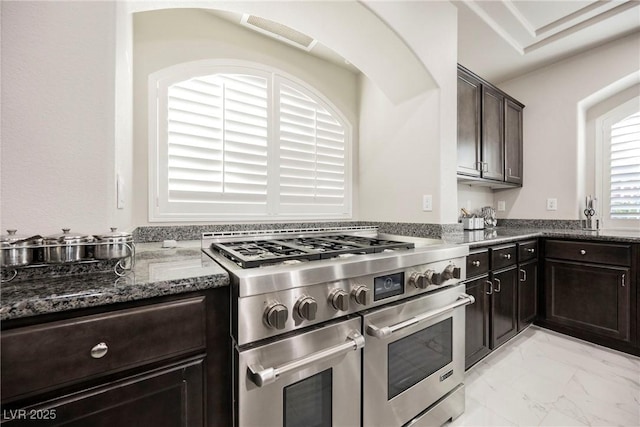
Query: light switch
(427, 203)
(120, 192)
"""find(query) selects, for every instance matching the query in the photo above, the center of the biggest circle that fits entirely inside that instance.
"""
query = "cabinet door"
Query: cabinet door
(513, 141)
(469, 104)
(588, 297)
(492, 134)
(504, 321)
(477, 321)
(171, 397)
(527, 294)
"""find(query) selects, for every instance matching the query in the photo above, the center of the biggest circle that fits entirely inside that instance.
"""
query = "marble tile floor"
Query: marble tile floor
(542, 378)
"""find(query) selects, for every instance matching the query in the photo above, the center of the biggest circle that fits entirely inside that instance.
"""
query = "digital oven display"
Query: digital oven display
(388, 286)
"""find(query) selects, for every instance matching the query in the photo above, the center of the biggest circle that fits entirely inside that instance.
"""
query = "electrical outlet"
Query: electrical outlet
(552, 204)
(501, 205)
(427, 203)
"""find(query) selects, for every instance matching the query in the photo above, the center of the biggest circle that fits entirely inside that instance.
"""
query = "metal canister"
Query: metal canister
(113, 245)
(66, 247)
(17, 250)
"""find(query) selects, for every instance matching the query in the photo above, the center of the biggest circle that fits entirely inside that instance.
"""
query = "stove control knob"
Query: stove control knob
(307, 308)
(418, 280)
(430, 275)
(361, 294)
(435, 278)
(339, 299)
(275, 316)
(451, 272)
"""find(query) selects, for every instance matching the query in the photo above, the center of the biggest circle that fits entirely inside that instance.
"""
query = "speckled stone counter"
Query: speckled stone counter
(157, 272)
(500, 235)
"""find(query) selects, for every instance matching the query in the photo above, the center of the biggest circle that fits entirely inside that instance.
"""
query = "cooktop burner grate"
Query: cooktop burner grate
(254, 253)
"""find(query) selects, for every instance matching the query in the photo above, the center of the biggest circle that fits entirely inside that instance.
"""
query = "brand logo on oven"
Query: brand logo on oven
(446, 375)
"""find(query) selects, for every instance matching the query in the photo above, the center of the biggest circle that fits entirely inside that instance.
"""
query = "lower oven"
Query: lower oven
(413, 360)
(310, 379)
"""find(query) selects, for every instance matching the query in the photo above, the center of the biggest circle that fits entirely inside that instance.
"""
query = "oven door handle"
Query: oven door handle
(386, 331)
(261, 376)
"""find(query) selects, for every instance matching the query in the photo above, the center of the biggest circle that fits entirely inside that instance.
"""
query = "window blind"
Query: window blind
(625, 168)
(217, 132)
(312, 152)
(245, 142)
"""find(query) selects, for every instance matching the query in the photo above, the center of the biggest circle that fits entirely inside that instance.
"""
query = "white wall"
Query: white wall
(555, 150)
(164, 38)
(64, 136)
(408, 149)
(58, 117)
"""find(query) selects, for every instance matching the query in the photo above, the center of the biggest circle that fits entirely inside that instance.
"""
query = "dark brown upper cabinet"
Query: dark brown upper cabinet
(489, 134)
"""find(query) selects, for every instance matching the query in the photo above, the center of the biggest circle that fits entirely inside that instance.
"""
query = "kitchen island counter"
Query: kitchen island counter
(157, 272)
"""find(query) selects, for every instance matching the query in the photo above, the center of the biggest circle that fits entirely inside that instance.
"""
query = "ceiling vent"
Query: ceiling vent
(279, 32)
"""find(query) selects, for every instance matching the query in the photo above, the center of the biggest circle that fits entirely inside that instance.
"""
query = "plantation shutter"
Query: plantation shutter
(240, 141)
(217, 141)
(312, 155)
(625, 168)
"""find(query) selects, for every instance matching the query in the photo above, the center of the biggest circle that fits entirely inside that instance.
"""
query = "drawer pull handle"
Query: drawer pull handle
(531, 250)
(524, 275)
(475, 263)
(623, 279)
(498, 288)
(583, 252)
(99, 350)
(490, 287)
(506, 256)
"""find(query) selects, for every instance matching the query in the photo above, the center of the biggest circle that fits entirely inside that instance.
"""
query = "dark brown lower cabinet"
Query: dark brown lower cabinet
(527, 294)
(477, 338)
(504, 316)
(167, 397)
(589, 298)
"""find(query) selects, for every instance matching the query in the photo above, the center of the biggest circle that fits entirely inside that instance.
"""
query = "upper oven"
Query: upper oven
(414, 355)
(310, 379)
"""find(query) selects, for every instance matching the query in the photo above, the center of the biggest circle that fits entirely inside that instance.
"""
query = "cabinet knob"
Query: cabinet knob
(475, 263)
(531, 250)
(99, 350)
(583, 252)
(506, 256)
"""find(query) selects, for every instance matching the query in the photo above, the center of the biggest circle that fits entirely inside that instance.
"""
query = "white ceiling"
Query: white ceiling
(502, 39)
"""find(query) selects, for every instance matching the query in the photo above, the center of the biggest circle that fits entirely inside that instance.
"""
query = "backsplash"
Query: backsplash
(565, 224)
(147, 234)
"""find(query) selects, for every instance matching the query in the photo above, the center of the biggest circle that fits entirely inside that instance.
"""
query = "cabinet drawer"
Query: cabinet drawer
(601, 253)
(477, 263)
(59, 353)
(503, 256)
(527, 250)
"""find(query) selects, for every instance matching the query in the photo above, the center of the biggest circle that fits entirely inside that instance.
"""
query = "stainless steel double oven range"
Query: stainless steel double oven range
(344, 327)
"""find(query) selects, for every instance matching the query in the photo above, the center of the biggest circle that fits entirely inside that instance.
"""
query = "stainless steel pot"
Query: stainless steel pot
(17, 250)
(66, 247)
(113, 245)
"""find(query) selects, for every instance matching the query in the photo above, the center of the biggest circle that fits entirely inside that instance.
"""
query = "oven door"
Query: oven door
(414, 355)
(311, 379)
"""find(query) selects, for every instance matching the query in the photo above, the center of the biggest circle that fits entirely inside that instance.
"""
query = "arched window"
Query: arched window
(231, 141)
(619, 177)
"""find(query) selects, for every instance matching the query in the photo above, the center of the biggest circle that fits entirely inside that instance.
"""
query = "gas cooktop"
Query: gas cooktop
(252, 253)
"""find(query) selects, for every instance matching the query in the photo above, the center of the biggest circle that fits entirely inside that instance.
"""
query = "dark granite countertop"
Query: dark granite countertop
(157, 272)
(500, 235)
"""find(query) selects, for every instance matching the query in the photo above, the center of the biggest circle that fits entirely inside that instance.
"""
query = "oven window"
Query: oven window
(307, 403)
(414, 358)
